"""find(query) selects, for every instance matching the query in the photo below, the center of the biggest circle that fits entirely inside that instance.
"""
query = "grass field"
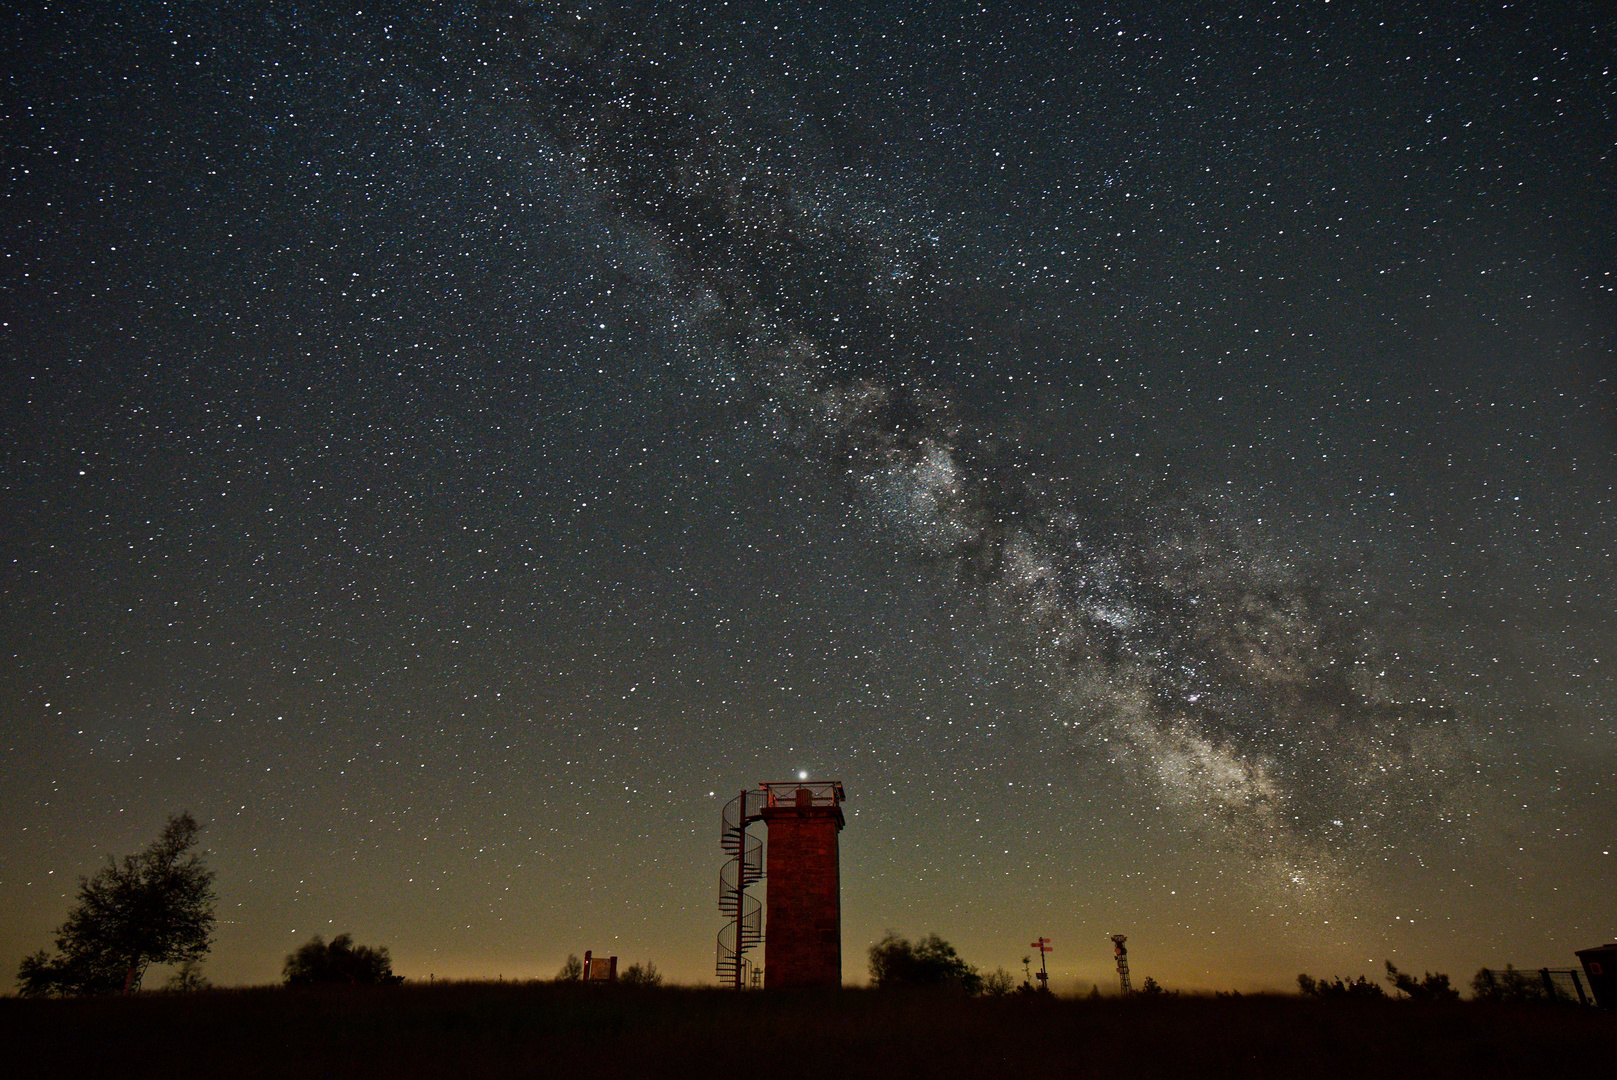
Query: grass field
(468, 1030)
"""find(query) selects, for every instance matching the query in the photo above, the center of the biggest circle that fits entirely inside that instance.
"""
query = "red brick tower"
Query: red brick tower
(803, 927)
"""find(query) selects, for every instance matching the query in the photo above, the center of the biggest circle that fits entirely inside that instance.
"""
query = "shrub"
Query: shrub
(340, 961)
(641, 975)
(896, 961)
(1359, 988)
(999, 983)
(1433, 987)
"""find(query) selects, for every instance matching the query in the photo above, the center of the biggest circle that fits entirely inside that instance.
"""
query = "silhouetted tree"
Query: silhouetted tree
(641, 975)
(999, 983)
(931, 961)
(44, 975)
(153, 907)
(340, 961)
(188, 978)
(572, 970)
(1360, 987)
(1433, 987)
(1152, 988)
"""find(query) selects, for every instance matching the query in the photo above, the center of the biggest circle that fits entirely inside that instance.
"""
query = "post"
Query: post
(1577, 984)
(741, 891)
(1044, 946)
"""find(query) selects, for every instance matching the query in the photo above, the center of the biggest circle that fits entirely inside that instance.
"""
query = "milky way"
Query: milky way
(1249, 684)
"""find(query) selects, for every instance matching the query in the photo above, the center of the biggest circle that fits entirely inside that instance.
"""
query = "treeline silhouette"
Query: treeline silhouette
(157, 906)
(1429, 987)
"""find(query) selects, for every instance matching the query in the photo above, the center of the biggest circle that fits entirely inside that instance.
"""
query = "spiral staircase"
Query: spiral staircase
(745, 928)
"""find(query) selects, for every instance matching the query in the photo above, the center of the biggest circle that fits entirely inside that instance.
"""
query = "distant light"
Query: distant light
(802, 774)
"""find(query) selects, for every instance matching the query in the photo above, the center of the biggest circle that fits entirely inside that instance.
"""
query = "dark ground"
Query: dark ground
(466, 1030)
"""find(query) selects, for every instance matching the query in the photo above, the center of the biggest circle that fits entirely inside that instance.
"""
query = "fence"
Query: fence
(1565, 985)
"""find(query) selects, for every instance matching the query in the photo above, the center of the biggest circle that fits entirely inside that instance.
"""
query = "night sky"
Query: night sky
(1159, 457)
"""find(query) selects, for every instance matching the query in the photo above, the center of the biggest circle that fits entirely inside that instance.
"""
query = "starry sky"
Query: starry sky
(1158, 457)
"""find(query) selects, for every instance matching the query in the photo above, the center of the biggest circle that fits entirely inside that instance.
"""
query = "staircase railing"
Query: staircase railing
(745, 928)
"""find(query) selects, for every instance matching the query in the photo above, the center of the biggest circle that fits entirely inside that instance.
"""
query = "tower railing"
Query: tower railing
(820, 793)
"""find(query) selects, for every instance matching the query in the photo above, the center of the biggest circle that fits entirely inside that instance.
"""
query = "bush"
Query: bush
(1433, 987)
(1359, 988)
(930, 962)
(341, 961)
(999, 983)
(641, 975)
(188, 978)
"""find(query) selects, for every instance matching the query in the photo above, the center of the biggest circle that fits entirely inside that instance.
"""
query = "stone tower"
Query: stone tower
(803, 916)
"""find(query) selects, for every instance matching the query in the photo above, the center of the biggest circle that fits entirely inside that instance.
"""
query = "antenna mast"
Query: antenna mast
(1122, 962)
